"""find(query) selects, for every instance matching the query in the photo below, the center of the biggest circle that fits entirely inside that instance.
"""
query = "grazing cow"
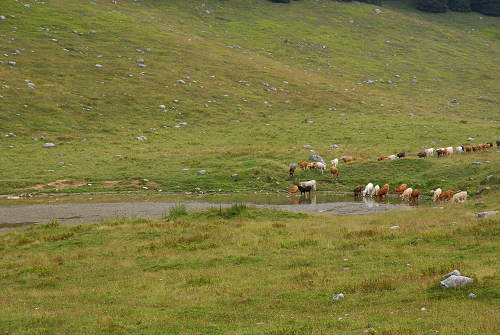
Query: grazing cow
(459, 149)
(334, 171)
(357, 190)
(383, 158)
(468, 149)
(347, 159)
(292, 170)
(311, 166)
(311, 183)
(440, 152)
(446, 195)
(400, 189)
(391, 157)
(475, 148)
(358, 159)
(303, 165)
(422, 154)
(498, 144)
(335, 162)
(321, 166)
(294, 190)
(449, 150)
(383, 191)
(429, 152)
(375, 190)
(490, 145)
(368, 189)
(459, 197)
(414, 195)
(406, 194)
(436, 194)
(305, 189)
(401, 155)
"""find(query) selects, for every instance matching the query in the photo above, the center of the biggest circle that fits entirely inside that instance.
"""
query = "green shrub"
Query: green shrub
(433, 6)
(177, 211)
(459, 5)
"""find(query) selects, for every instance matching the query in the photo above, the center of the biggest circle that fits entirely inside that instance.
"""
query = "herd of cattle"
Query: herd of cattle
(405, 192)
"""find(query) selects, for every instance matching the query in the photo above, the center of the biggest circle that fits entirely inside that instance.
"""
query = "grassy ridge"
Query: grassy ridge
(242, 271)
(308, 53)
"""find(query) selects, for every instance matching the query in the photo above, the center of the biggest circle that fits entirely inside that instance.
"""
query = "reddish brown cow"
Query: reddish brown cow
(292, 170)
(334, 171)
(347, 159)
(357, 190)
(414, 195)
(401, 188)
(422, 155)
(303, 165)
(383, 191)
(446, 195)
(383, 158)
(294, 190)
(468, 149)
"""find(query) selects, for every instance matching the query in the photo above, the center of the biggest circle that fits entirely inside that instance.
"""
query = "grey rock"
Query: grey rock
(470, 139)
(414, 81)
(378, 11)
(485, 214)
(351, 21)
(411, 114)
(472, 295)
(489, 177)
(202, 172)
(397, 76)
(48, 145)
(476, 163)
(140, 60)
(185, 169)
(479, 203)
(452, 273)
(12, 63)
(141, 65)
(141, 138)
(316, 158)
(234, 175)
(98, 65)
(455, 281)
(394, 227)
(2, 17)
(307, 146)
(389, 81)
(334, 146)
(453, 101)
(83, 140)
(337, 297)
(181, 82)
(31, 85)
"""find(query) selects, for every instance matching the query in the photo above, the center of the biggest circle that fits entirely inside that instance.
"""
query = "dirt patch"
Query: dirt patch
(65, 184)
(61, 184)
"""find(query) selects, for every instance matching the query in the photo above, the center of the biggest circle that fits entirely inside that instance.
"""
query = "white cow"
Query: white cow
(459, 197)
(449, 150)
(309, 183)
(368, 189)
(406, 193)
(374, 191)
(391, 157)
(429, 152)
(321, 166)
(335, 162)
(436, 194)
(459, 149)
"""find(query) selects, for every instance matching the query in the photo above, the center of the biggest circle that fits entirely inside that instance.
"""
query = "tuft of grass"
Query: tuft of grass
(176, 212)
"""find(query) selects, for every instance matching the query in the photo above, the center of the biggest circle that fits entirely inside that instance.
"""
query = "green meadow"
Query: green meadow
(249, 271)
(259, 82)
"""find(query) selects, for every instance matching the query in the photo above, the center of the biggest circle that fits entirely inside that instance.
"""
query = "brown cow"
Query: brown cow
(414, 195)
(294, 190)
(383, 158)
(357, 190)
(401, 188)
(475, 148)
(292, 170)
(334, 171)
(383, 191)
(347, 159)
(446, 195)
(422, 155)
(303, 165)
(468, 149)
(358, 159)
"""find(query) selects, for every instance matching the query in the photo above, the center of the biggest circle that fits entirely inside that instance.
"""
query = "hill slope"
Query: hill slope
(248, 78)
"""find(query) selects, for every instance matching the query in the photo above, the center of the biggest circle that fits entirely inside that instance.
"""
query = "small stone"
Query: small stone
(202, 172)
(141, 138)
(338, 297)
(414, 81)
(234, 175)
(411, 114)
(12, 63)
(140, 60)
(83, 140)
(423, 309)
(484, 214)
(307, 146)
(452, 273)
(397, 76)
(185, 169)
(455, 281)
(453, 101)
(476, 163)
(48, 145)
(470, 139)
(98, 65)
(378, 11)
(316, 158)
(334, 146)
(472, 295)
(31, 85)
(162, 106)
(394, 227)
(351, 21)
(2, 17)
(489, 177)
(181, 81)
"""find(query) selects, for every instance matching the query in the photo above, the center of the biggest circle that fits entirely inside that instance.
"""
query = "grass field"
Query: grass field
(254, 74)
(247, 271)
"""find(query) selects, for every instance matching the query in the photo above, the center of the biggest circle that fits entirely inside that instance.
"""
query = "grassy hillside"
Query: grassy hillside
(253, 74)
(241, 271)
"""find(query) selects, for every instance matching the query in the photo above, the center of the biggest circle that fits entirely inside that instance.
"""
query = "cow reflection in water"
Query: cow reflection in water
(296, 200)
